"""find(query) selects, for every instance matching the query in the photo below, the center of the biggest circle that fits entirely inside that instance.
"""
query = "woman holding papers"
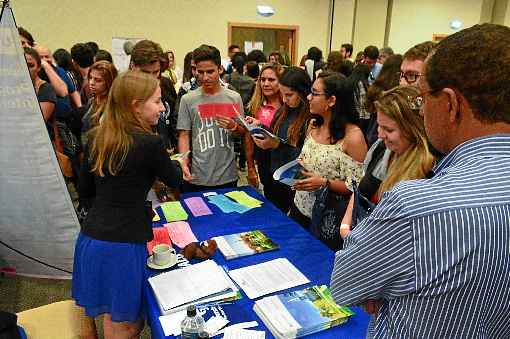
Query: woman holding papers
(402, 151)
(289, 124)
(122, 159)
(266, 100)
(333, 151)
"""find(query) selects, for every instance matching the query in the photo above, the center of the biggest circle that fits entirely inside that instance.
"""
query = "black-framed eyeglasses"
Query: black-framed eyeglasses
(410, 76)
(317, 94)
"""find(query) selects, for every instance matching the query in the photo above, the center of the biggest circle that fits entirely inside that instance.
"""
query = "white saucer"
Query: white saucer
(152, 265)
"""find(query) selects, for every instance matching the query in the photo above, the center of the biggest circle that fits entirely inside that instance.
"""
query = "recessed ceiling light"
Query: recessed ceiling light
(264, 10)
(455, 24)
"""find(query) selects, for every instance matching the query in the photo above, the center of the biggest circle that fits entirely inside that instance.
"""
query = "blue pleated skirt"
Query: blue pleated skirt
(108, 277)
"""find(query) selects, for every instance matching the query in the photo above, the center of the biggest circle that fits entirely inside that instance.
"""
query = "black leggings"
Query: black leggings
(279, 194)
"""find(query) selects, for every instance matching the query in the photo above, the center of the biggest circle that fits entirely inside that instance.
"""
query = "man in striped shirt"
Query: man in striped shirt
(433, 259)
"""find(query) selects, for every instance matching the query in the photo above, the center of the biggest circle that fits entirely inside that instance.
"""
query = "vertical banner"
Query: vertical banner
(37, 216)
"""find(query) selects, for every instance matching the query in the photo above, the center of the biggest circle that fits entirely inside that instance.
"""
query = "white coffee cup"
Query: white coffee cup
(163, 255)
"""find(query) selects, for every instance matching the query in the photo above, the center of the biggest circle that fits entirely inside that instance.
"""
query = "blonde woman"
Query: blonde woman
(401, 153)
(266, 100)
(122, 160)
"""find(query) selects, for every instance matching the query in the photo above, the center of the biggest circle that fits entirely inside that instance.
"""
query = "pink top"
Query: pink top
(265, 114)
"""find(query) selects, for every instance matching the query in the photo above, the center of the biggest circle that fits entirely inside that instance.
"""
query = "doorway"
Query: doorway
(268, 38)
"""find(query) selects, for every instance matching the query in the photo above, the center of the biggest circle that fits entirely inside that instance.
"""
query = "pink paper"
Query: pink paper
(197, 206)
(160, 237)
(180, 233)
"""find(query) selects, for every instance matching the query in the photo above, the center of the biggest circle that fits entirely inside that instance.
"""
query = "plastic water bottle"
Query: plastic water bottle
(193, 324)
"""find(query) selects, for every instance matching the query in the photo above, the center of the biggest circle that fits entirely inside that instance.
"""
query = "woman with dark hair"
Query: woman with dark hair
(358, 83)
(289, 123)
(333, 151)
(45, 93)
(314, 63)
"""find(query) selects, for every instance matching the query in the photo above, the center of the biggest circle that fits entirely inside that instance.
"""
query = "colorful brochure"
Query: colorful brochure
(300, 313)
(245, 243)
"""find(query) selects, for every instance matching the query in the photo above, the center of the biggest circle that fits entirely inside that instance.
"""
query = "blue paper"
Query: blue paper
(226, 205)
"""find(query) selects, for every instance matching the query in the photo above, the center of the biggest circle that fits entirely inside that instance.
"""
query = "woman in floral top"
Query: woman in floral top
(334, 149)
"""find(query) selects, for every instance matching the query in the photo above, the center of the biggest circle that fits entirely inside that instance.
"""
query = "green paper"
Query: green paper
(174, 211)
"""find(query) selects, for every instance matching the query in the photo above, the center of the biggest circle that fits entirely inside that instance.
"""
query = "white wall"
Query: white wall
(342, 24)
(414, 21)
(175, 24)
(370, 23)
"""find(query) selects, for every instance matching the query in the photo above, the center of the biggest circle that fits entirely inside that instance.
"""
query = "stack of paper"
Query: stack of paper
(245, 243)
(160, 237)
(300, 313)
(192, 285)
(197, 206)
(174, 211)
(268, 277)
(226, 205)
(244, 199)
(180, 232)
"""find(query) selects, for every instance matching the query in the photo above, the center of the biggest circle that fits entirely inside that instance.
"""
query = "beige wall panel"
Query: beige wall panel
(370, 24)
(342, 25)
(180, 25)
(415, 21)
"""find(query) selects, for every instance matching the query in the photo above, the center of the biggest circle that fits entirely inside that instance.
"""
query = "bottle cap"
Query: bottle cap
(203, 334)
(191, 311)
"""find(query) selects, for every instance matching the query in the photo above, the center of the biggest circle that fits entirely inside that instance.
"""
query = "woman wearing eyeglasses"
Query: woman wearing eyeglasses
(333, 151)
(401, 153)
(289, 123)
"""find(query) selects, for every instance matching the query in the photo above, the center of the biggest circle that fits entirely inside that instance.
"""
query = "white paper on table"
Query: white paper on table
(188, 284)
(238, 333)
(207, 194)
(214, 324)
(268, 277)
(171, 323)
(248, 324)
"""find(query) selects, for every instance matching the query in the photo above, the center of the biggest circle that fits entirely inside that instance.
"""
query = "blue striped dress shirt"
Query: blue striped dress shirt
(437, 251)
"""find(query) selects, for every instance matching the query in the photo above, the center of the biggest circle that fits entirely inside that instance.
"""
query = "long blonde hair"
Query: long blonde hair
(417, 161)
(257, 99)
(112, 138)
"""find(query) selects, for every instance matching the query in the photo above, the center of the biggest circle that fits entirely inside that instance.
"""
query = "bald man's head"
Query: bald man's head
(44, 53)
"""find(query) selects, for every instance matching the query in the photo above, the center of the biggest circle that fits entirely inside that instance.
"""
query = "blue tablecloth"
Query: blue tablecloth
(308, 254)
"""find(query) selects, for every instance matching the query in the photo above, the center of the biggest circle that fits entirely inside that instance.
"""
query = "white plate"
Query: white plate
(152, 265)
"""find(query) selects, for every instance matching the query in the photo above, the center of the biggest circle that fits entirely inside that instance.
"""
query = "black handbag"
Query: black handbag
(327, 213)
(362, 206)
(70, 144)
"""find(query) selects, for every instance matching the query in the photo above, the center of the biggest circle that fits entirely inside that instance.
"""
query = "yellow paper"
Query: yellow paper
(156, 217)
(244, 199)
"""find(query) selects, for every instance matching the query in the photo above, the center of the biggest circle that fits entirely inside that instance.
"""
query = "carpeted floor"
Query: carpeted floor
(18, 294)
